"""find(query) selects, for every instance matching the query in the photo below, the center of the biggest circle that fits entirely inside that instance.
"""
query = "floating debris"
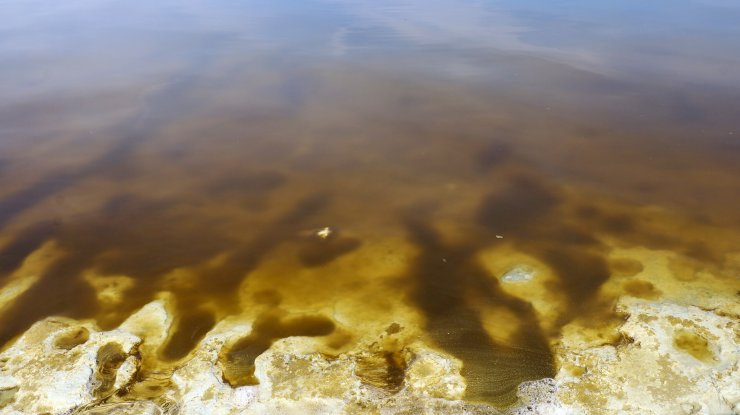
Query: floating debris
(324, 233)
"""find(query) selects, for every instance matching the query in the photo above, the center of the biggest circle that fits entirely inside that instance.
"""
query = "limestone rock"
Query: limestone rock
(421, 381)
(434, 375)
(294, 381)
(151, 323)
(675, 360)
(539, 397)
(125, 408)
(199, 386)
(59, 365)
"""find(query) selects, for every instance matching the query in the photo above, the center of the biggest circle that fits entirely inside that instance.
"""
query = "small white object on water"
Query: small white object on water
(499, 236)
(324, 233)
(520, 273)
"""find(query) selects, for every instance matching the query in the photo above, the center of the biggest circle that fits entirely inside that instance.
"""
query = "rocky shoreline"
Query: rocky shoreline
(673, 358)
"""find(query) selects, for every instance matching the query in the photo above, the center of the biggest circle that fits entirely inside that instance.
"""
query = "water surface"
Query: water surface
(199, 148)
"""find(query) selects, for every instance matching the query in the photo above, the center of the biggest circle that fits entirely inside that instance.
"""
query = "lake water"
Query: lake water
(377, 158)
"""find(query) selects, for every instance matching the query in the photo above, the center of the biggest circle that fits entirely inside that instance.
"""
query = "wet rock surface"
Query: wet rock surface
(53, 368)
(672, 358)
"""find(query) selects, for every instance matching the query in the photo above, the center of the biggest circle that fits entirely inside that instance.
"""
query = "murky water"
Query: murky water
(379, 159)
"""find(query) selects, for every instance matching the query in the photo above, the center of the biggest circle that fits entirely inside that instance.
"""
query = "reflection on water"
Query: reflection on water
(191, 147)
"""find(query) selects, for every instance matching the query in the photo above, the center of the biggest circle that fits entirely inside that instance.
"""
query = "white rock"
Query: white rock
(293, 381)
(679, 359)
(199, 386)
(519, 274)
(53, 379)
(125, 408)
(151, 323)
(435, 375)
(126, 372)
(539, 397)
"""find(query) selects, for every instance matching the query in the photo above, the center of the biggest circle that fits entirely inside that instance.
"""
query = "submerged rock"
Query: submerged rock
(521, 273)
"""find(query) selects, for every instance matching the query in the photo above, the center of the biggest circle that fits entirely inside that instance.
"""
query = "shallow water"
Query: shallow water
(201, 148)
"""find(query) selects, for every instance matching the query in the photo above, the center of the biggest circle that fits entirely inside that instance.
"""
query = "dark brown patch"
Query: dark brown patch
(393, 328)
(267, 297)
(248, 185)
(700, 251)
(492, 155)
(523, 202)
(694, 344)
(684, 269)
(641, 289)
(618, 224)
(571, 236)
(587, 212)
(580, 272)
(191, 327)
(27, 241)
(625, 267)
